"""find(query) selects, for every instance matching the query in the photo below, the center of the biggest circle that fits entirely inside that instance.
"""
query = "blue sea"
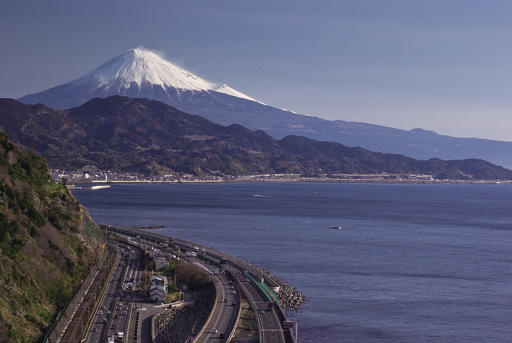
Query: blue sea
(412, 263)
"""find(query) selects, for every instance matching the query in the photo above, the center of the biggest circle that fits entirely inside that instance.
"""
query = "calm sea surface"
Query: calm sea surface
(413, 263)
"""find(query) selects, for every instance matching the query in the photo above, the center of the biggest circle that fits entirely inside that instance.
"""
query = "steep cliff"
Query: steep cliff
(47, 243)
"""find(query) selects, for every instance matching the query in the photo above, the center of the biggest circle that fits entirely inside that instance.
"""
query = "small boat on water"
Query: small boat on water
(336, 227)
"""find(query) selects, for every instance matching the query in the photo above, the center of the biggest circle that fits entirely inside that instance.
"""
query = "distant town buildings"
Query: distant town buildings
(90, 175)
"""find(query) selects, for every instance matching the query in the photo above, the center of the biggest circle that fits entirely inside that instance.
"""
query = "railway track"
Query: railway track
(77, 327)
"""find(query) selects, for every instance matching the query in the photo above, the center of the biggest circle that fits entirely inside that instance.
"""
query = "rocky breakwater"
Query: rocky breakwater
(290, 298)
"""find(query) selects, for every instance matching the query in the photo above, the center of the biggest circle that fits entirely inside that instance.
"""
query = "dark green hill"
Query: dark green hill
(47, 242)
(146, 136)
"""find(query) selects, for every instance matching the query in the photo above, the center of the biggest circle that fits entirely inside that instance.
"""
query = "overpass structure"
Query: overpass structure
(273, 326)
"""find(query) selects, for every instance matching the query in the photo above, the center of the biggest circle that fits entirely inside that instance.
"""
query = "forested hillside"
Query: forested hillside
(152, 138)
(47, 243)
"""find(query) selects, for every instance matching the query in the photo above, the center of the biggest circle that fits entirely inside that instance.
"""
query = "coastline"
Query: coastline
(294, 180)
(98, 178)
(447, 217)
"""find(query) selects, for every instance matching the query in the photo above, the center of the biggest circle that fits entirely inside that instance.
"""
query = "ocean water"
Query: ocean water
(413, 263)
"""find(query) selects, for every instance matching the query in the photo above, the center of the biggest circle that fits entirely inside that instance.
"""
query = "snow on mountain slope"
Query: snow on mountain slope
(233, 92)
(141, 66)
(136, 73)
(140, 73)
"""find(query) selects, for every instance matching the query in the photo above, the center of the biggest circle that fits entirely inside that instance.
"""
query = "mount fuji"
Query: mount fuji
(140, 73)
(137, 73)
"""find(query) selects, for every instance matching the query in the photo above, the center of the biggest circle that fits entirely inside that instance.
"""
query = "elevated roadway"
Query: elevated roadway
(270, 321)
(222, 320)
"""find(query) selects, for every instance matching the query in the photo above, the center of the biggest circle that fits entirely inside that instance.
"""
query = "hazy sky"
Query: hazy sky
(439, 65)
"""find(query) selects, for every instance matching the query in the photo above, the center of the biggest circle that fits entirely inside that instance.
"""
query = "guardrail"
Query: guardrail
(239, 309)
(271, 296)
(217, 297)
(191, 246)
(258, 319)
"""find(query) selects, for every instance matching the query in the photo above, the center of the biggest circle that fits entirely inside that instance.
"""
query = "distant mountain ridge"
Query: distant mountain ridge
(150, 137)
(139, 73)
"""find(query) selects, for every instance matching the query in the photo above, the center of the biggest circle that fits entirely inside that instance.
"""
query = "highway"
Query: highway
(269, 324)
(115, 307)
(227, 304)
(270, 321)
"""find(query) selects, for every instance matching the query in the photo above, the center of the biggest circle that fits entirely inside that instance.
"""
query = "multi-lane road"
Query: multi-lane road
(113, 313)
(222, 320)
(225, 311)
(270, 321)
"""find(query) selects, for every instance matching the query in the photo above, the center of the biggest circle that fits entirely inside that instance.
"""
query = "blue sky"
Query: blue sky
(439, 65)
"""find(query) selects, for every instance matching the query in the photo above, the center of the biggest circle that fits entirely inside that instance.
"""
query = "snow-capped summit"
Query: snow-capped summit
(141, 66)
(136, 73)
